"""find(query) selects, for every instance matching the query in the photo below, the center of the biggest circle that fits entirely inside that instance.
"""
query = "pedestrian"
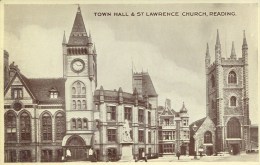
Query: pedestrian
(90, 153)
(144, 156)
(178, 155)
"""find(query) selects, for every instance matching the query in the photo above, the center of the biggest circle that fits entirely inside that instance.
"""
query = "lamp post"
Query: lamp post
(194, 127)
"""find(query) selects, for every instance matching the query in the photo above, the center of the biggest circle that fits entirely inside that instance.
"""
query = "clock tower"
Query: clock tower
(80, 71)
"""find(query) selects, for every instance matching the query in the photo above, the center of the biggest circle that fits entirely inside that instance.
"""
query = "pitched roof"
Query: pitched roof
(78, 35)
(147, 84)
(198, 123)
(41, 89)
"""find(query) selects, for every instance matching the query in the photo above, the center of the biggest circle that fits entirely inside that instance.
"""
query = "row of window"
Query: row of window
(79, 123)
(112, 134)
(232, 79)
(26, 155)
(111, 114)
(166, 122)
(25, 126)
(79, 104)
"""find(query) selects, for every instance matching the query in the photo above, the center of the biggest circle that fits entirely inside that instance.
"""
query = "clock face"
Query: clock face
(77, 65)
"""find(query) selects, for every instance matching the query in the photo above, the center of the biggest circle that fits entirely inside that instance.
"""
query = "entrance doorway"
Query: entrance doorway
(76, 149)
(235, 149)
(209, 150)
(183, 150)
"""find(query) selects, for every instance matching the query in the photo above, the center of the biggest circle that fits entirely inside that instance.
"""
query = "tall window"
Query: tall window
(233, 128)
(208, 137)
(46, 127)
(185, 122)
(167, 121)
(25, 126)
(78, 104)
(149, 118)
(167, 135)
(73, 91)
(10, 126)
(78, 88)
(85, 123)
(17, 93)
(232, 77)
(84, 104)
(73, 104)
(128, 113)
(168, 148)
(140, 115)
(233, 101)
(79, 122)
(111, 113)
(73, 124)
(60, 126)
(111, 135)
(149, 137)
(212, 81)
(140, 136)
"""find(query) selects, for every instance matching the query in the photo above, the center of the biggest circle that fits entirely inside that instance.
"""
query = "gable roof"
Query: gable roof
(23, 80)
(147, 85)
(41, 89)
(198, 123)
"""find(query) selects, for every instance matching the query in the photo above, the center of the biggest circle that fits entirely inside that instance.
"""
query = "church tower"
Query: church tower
(80, 71)
(227, 97)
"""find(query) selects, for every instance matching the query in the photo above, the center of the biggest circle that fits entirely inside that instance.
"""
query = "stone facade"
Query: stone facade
(227, 97)
(174, 131)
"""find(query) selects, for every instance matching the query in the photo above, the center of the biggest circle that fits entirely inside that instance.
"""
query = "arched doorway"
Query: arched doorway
(234, 133)
(77, 149)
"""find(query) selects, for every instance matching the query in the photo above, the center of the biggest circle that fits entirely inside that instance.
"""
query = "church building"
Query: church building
(226, 127)
(56, 119)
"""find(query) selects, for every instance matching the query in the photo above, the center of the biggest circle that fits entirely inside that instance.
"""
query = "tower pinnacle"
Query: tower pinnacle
(64, 41)
(207, 51)
(217, 40)
(244, 41)
(233, 52)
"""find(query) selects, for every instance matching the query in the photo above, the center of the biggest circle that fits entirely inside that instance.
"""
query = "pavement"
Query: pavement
(252, 157)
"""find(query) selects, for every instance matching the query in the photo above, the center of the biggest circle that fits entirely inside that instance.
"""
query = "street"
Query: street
(253, 157)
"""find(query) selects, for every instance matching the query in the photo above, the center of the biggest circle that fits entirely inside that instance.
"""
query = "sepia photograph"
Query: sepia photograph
(129, 82)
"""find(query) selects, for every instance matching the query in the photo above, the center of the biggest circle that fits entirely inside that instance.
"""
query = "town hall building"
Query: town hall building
(56, 119)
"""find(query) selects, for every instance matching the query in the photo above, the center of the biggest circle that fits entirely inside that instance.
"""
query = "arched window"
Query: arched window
(73, 91)
(212, 81)
(233, 128)
(208, 137)
(78, 92)
(79, 104)
(79, 124)
(233, 101)
(85, 123)
(83, 90)
(232, 77)
(10, 127)
(84, 106)
(60, 126)
(78, 88)
(25, 126)
(73, 124)
(46, 127)
(73, 104)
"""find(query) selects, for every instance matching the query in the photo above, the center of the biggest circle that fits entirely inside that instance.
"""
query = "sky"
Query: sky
(171, 48)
